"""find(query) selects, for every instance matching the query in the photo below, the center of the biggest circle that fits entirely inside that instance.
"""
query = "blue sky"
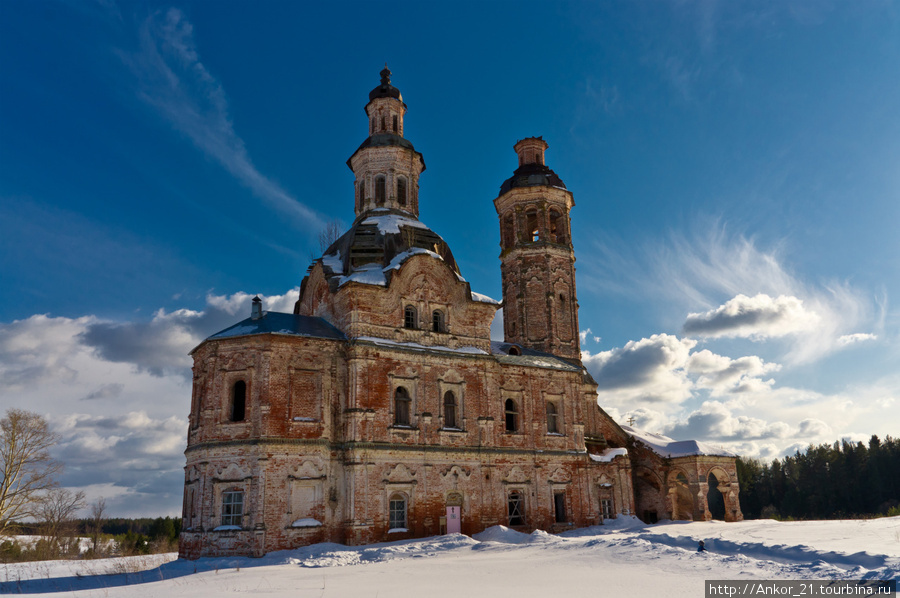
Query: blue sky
(735, 167)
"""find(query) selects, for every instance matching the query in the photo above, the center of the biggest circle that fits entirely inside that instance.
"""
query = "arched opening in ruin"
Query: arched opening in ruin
(682, 499)
(647, 496)
(715, 500)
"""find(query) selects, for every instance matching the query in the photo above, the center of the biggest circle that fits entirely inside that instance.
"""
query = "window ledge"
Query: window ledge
(398, 530)
(304, 420)
(228, 528)
(555, 434)
(402, 427)
(453, 430)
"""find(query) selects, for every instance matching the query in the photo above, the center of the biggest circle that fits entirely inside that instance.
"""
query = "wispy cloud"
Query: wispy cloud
(175, 81)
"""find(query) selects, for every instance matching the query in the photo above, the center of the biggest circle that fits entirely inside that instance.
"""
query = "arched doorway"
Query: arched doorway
(715, 501)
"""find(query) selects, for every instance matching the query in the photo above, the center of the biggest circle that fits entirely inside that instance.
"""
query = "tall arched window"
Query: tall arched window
(361, 193)
(410, 317)
(450, 410)
(401, 191)
(395, 128)
(238, 401)
(402, 404)
(512, 416)
(557, 230)
(552, 419)
(383, 124)
(438, 324)
(379, 189)
(531, 225)
(397, 507)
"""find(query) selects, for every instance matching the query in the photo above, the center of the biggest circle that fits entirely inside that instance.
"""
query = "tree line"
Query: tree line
(33, 503)
(830, 481)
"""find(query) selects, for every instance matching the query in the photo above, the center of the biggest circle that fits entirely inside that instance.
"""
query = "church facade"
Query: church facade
(382, 410)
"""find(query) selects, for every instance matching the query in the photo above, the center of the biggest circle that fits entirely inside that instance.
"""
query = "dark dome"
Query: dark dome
(532, 175)
(378, 243)
(385, 89)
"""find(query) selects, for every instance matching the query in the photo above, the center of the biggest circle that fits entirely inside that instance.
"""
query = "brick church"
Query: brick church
(382, 410)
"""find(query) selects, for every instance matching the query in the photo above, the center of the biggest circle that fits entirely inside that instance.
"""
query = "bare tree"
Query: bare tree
(328, 235)
(98, 510)
(28, 470)
(56, 512)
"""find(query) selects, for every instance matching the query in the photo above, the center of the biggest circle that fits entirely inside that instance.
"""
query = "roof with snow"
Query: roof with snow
(378, 243)
(513, 354)
(667, 447)
(281, 323)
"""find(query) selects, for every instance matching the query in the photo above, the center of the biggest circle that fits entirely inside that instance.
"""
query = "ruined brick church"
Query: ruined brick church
(382, 410)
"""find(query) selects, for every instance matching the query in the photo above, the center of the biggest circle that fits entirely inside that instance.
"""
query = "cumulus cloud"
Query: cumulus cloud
(136, 458)
(650, 369)
(162, 345)
(584, 335)
(722, 374)
(176, 82)
(755, 317)
(715, 421)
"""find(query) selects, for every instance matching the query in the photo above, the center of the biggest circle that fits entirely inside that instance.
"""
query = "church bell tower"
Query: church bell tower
(386, 165)
(537, 261)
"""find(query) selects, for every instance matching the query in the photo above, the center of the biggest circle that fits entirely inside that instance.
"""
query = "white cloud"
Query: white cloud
(650, 369)
(178, 84)
(722, 374)
(757, 318)
(858, 337)
(716, 421)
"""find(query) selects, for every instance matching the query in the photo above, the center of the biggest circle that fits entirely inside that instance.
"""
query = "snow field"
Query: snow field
(624, 557)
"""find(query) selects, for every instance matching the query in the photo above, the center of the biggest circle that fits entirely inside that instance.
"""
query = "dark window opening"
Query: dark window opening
(531, 226)
(402, 404)
(379, 190)
(383, 124)
(401, 191)
(395, 127)
(514, 350)
(512, 416)
(516, 509)
(238, 401)
(450, 410)
(437, 321)
(557, 230)
(559, 506)
(552, 419)
(410, 317)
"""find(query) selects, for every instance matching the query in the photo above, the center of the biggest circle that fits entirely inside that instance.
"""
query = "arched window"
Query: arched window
(395, 127)
(361, 193)
(552, 419)
(401, 191)
(514, 350)
(379, 189)
(557, 233)
(410, 317)
(397, 512)
(402, 404)
(450, 410)
(512, 416)
(516, 508)
(437, 321)
(238, 401)
(383, 125)
(531, 226)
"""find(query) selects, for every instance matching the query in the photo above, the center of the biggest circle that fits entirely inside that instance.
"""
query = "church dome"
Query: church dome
(377, 244)
(385, 89)
(532, 175)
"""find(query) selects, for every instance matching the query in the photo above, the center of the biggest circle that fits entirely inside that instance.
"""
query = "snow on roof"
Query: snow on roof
(405, 255)
(384, 341)
(667, 447)
(389, 223)
(368, 274)
(608, 455)
(483, 298)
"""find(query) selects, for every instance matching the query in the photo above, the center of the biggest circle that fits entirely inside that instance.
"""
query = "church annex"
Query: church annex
(381, 409)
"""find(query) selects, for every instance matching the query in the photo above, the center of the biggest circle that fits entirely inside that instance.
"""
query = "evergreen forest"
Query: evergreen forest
(842, 480)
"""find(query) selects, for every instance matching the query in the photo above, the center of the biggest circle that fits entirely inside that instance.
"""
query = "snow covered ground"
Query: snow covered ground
(625, 558)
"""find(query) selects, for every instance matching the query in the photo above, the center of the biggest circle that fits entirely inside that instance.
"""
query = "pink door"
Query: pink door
(454, 520)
